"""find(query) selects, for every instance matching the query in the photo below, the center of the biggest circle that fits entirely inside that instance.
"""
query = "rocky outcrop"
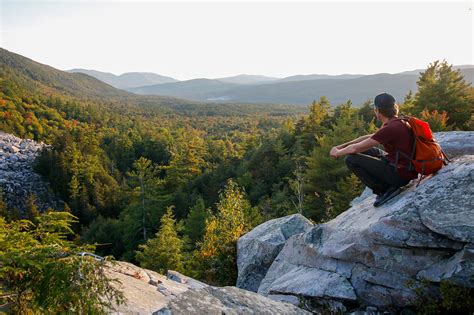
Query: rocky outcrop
(366, 257)
(17, 178)
(257, 249)
(148, 292)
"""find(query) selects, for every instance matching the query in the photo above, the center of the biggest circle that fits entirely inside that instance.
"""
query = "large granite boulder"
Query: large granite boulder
(367, 256)
(257, 249)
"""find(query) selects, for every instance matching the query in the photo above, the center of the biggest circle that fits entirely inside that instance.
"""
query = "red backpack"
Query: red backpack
(427, 157)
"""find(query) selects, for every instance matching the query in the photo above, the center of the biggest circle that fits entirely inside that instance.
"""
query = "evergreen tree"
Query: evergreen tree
(314, 125)
(163, 252)
(366, 111)
(407, 107)
(444, 89)
(42, 272)
(145, 184)
(187, 157)
(196, 221)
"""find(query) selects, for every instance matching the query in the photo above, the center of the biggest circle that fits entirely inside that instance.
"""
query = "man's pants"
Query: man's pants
(374, 170)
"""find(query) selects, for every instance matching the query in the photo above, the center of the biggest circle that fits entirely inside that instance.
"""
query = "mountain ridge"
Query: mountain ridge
(298, 92)
(127, 79)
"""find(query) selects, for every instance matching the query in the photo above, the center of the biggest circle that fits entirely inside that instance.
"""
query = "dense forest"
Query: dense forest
(170, 184)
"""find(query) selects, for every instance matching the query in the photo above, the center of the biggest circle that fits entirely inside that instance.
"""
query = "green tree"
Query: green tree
(163, 252)
(195, 223)
(145, 183)
(366, 111)
(218, 248)
(314, 125)
(42, 272)
(187, 157)
(444, 89)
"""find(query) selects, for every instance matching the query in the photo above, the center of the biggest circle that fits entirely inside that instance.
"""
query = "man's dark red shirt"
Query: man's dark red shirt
(395, 135)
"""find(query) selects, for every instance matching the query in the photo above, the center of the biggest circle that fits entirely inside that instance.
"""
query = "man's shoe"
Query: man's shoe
(377, 198)
(389, 194)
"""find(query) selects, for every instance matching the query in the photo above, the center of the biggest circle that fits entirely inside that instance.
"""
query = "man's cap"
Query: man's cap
(384, 100)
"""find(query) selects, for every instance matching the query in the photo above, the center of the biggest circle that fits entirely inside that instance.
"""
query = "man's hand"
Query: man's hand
(334, 152)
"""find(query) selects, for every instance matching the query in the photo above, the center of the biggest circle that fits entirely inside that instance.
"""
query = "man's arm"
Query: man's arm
(360, 139)
(354, 148)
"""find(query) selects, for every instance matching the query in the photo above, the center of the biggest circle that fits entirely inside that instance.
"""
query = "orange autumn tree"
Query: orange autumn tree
(218, 251)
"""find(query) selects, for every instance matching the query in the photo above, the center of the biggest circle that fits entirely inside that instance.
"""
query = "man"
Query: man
(382, 171)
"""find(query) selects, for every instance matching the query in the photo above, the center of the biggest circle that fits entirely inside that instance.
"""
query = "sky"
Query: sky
(193, 39)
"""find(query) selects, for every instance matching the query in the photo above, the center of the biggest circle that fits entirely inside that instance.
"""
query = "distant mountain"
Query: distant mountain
(202, 89)
(126, 80)
(248, 79)
(296, 90)
(305, 77)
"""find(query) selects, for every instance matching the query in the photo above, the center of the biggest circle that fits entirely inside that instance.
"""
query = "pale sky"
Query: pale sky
(194, 39)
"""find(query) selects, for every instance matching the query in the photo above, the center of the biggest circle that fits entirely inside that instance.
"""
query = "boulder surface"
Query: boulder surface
(257, 249)
(148, 292)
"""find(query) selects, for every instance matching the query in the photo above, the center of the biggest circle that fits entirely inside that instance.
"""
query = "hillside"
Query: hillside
(126, 80)
(47, 79)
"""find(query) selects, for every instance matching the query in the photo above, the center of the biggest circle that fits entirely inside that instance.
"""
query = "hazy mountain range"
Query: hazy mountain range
(298, 89)
(126, 80)
(33, 78)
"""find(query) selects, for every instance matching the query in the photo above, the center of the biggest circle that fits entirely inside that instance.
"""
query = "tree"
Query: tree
(218, 248)
(366, 112)
(42, 271)
(145, 184)
(314, 125)
(444, 89)
(187, 157)
(297, 185)
(196, 221)
(163, 252)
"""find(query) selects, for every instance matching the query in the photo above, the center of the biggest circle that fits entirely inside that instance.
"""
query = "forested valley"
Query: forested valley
(170, 184)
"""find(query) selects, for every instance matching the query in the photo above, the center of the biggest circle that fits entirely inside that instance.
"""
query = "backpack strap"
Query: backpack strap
(398, 152)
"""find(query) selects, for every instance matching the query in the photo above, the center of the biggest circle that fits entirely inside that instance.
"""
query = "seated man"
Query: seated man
(382, 171)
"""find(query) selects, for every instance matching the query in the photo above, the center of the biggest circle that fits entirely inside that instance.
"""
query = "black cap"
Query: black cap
(384, 100)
